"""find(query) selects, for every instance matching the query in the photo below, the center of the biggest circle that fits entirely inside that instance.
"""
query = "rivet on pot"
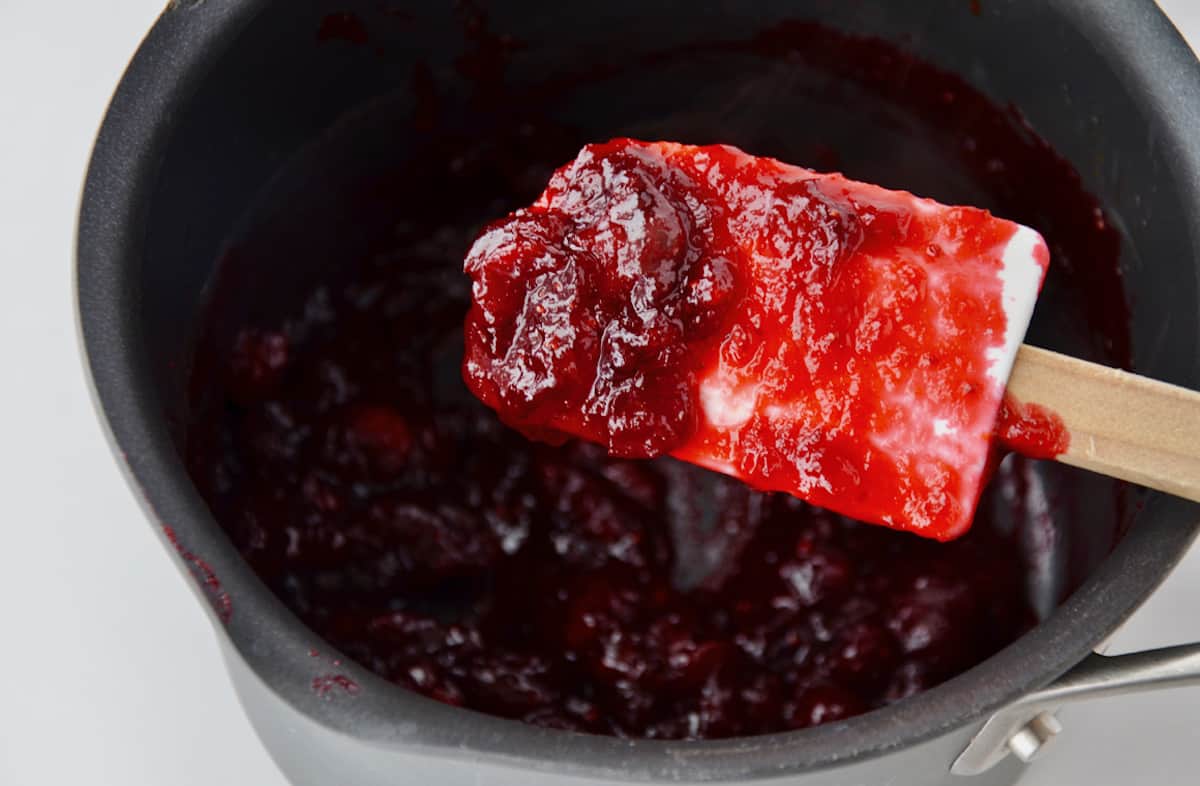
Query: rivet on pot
(1029, 740)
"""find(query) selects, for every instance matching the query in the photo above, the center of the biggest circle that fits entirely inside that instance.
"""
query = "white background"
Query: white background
(109, 673)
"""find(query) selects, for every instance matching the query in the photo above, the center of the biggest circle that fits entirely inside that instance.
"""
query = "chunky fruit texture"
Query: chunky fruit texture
(802, 332)
(558, 585)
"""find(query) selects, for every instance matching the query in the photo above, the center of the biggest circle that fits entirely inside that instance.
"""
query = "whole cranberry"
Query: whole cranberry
(416, 635)
(258, 533)
(628, 708)
(434, 541)
(377, 438)
(321, 494)
(684, 660)
(273, 435)
(823, 704)
(425, 677)
(592, 527)
(257, 364)
(636, 481)
(863, 656)
(936, 621)
(711, 287)
(720, 711)
(760, 700)
(818, 576)
(510, 683)
(600, 604)
(908, 680)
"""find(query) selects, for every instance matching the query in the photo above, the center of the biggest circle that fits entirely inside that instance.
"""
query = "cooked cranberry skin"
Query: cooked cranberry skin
(257, 363)
(824, 704)
(379, 437)
(863, 657)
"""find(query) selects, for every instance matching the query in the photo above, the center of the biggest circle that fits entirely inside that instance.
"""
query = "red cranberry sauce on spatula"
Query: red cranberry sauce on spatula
(800, 331)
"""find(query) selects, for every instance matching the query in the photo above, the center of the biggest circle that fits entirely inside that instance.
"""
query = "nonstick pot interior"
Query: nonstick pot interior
(225, 93)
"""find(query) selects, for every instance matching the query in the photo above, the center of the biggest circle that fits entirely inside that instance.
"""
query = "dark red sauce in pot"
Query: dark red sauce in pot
(333, 438)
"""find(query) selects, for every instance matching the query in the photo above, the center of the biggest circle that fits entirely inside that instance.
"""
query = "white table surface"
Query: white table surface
(109, 673)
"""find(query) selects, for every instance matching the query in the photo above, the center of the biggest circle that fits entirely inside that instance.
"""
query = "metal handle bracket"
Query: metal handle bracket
(1023, 728)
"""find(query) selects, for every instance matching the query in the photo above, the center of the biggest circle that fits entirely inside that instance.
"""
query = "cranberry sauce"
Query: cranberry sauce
(333, 438)
(1032, 430)
(798, 331)
(451, 555)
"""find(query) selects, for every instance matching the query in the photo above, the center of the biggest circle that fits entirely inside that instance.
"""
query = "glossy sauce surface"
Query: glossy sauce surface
(799, 331)
(1031, 430)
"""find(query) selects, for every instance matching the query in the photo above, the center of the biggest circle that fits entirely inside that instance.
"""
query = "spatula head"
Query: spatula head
(803, 332)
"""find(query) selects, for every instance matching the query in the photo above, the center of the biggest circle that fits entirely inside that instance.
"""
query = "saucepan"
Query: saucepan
(223, 94)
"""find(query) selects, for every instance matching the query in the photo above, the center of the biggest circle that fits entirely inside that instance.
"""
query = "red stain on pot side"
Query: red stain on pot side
(326, 685)
(1031, 430)
(218, 598)
(343, 26)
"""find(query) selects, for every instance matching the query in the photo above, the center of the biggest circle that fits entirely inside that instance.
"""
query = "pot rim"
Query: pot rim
(1147, 53)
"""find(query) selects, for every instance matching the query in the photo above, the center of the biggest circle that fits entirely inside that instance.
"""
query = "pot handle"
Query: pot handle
(1024, 727)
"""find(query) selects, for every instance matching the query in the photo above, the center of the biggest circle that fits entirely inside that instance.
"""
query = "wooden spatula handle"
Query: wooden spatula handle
(1121, 425)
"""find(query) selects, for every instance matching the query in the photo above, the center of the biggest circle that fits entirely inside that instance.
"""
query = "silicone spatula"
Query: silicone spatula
(803, 332)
